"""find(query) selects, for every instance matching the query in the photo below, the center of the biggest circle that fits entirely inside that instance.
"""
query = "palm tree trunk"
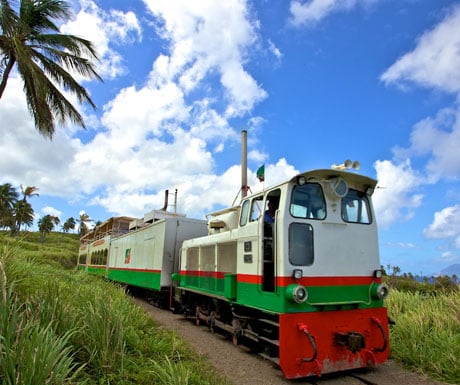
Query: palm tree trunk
(6, 73)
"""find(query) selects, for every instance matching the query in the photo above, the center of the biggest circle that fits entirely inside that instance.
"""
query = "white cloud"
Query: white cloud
(312, 11)
(206, 38)
(448, 256)
(445, 225)
(434, 61)
(28, 158)
(48, 210)
(274, 50)
(257, 156)
(105, 30)
(395, 199)
(439, 138)
(401, 245)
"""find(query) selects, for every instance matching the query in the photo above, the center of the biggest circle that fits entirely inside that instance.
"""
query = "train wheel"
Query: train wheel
(197, 316)
(236, 331)
(212, 322)
(252, 344)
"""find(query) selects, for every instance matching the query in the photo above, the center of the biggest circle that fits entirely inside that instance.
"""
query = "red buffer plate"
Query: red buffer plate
(331, 341)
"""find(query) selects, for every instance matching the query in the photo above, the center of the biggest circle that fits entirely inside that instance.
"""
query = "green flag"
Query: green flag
(261, 173)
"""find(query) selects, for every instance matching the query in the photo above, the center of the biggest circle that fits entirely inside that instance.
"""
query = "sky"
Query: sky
(314, 82)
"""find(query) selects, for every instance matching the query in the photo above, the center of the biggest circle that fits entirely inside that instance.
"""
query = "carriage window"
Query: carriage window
(355, 207)
(307, 201)
(301, 244)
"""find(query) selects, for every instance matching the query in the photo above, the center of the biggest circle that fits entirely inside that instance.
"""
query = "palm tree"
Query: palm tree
(8, 198)
(84, 219)
(23, 214)
(45, 58)
(69, 224)
(46, 225)
(24, 211)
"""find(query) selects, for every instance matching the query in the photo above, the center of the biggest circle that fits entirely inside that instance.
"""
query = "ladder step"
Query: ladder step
(273, 342)
(276, 360)
(269, 322)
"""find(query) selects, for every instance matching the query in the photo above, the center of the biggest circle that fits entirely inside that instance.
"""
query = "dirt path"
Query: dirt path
(243, 368)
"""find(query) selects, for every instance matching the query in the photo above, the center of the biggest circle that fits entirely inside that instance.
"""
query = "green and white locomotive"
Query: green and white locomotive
(302, 288)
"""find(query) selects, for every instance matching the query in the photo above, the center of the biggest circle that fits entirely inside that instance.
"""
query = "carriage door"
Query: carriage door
(269, 240)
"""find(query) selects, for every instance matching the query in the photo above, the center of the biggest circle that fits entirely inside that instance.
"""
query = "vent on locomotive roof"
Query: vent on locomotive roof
(223, 220)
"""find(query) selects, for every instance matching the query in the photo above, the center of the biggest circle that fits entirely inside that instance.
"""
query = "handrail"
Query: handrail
(304, 329)
(385, 339)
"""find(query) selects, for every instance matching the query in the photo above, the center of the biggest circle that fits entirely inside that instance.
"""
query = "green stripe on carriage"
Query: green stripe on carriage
(99, 270)
(146, 279)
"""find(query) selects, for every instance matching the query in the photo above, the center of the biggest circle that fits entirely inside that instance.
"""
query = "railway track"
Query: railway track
(241, 367)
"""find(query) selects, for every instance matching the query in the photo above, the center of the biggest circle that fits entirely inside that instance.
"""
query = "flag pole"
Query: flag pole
(244, 164)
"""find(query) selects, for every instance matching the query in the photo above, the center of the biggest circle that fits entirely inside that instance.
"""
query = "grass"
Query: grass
(426, 336)
(61, 326)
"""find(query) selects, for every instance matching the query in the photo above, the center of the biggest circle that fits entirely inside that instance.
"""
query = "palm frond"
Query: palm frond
(46, 60)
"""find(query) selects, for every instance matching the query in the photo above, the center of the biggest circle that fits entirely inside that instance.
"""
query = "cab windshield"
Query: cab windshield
(356, 207)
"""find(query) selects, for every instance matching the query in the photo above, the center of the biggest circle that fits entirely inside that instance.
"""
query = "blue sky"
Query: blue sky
(313, 82)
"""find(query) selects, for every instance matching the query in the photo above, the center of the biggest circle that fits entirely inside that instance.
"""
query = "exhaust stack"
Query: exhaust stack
(165, 207)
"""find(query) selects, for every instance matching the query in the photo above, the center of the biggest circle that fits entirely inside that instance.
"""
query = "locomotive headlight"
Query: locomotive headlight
(379, 291)
(296, 293)
(378, 273)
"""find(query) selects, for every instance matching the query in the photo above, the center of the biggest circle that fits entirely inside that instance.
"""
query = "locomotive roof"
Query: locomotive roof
(356, 180)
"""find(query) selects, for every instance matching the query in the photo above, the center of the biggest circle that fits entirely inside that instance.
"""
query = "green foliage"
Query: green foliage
(46, 225)
(45, 60)
(426, 285)
(171, 372)
(90, 331)
(426, 336)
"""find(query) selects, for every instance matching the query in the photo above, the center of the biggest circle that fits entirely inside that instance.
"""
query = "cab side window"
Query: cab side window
(256, 209)
(244, 212)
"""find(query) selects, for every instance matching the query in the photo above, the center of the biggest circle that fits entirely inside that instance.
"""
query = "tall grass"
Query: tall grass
(60, 327)
(29, 352)
(87, 330)
(426, 336)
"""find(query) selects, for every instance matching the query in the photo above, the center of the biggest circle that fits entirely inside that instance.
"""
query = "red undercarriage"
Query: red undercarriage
(324, 342)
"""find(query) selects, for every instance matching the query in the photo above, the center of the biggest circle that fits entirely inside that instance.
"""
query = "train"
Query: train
(302, 288)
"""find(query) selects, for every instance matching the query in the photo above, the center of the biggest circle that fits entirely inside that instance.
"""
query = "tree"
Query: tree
(84, 219)
(24, 211)
(46, 225)
(30, 39)
(8, 198)
(23, 214)
(69, 224)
